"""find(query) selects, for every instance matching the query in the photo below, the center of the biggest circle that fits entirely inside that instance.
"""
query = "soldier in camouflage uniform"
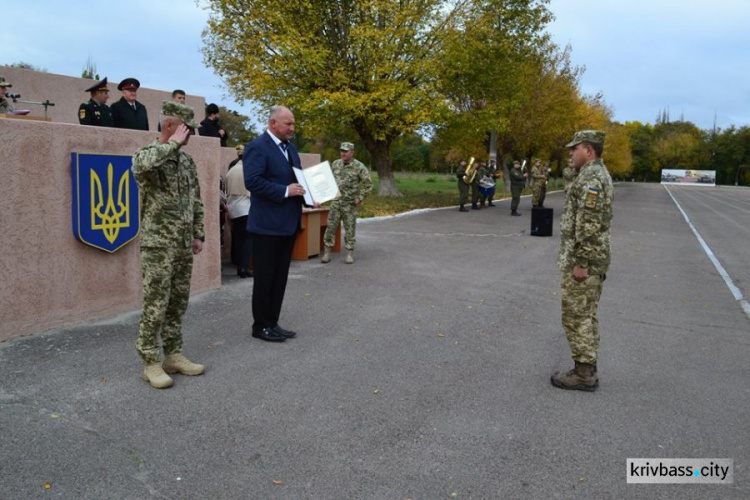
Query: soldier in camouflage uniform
(584, 257)
(355, 184)
(463, 188)
(5, 105)
(539, 189)
(475, 186)
(517, 183)
(171, 232)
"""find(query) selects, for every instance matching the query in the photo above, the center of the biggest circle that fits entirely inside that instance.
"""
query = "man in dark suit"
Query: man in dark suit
(128, 112)
(274, 219)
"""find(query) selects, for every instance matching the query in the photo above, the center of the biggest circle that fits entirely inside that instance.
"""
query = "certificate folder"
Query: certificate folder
(319, 183)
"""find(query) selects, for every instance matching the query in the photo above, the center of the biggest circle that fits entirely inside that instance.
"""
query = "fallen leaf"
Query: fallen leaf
(47, 486)
(103, 379)
(307, 295)
(278, 482)
(440, 335)
(376, 391)
(54, 415)
(210, 347)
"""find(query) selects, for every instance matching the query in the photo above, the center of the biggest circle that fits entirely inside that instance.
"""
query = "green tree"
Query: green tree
(89, 70)
(641, 150)
(238, 127)
(374, 64)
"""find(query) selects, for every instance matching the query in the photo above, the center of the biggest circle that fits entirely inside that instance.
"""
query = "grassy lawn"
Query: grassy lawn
(419, 191)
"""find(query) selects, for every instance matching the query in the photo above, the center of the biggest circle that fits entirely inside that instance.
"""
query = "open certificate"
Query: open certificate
(319, 183)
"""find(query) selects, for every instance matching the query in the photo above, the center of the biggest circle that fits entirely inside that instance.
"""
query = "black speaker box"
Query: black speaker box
(541, 221)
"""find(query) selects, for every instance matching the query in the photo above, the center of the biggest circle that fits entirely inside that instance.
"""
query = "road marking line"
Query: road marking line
(736, 292)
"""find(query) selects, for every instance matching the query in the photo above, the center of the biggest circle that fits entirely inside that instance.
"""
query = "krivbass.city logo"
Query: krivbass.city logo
(680, 470)
(106, 212)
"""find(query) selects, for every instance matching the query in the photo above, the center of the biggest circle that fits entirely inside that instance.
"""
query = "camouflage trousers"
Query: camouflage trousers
(463, 192)
(346, 213)
(166, 290)
(580, 301)
(538, 193)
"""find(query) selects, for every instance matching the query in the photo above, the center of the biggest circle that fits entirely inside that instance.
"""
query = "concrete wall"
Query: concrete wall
(49, 278)
(67, 93)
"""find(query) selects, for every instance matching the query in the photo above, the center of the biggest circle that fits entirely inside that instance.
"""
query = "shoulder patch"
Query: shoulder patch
(592, 197)
(82, 113)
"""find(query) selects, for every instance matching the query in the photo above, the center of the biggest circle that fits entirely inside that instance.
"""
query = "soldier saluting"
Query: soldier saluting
(171, 233)
(95, 111)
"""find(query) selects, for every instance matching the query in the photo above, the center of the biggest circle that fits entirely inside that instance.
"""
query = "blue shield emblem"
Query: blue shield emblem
(106, 211)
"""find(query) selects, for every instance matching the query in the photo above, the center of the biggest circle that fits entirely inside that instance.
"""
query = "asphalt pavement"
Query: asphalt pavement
(420, 372)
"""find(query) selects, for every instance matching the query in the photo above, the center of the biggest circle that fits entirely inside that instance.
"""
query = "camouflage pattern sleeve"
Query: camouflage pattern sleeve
(588, 223)
(198, 210)
(151, 157)
(366, 182)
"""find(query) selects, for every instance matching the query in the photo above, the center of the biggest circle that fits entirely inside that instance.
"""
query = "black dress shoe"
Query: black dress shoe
(490, 204)
(244, 273)
(287, 334)
(268, 334)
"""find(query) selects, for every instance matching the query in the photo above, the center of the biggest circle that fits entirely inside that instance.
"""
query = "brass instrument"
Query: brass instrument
(471, 172)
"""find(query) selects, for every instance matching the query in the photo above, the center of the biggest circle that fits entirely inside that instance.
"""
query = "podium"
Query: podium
(309, 241)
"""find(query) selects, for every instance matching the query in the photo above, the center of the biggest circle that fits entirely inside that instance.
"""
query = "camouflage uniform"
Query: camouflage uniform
(475, 187)
(354, 183)
(569, 175)
(6, 106)
(539, 189)
(172, 217)
(585, 242)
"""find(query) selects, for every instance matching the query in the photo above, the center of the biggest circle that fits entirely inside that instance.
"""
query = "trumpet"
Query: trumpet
(471, 172)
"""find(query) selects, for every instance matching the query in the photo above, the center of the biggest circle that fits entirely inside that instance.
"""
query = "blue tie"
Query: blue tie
(284, 145)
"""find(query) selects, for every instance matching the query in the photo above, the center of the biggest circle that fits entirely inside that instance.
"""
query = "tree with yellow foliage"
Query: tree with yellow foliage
(378, 65)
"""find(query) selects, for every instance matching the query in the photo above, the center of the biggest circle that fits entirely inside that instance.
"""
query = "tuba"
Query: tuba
(471, 172)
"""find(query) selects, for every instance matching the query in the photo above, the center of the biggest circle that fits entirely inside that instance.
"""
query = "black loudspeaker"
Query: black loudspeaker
(541, 221)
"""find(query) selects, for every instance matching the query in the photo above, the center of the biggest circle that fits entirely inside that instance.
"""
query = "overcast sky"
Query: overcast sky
(687, 56)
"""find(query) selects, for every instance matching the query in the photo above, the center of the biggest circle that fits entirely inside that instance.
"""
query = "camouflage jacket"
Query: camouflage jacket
(539, 174)
(171, 206)
(5, 106)
(569, 174)
(586, 219)
(353, 180)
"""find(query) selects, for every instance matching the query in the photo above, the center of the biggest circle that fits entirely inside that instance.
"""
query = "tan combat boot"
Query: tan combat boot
(349, 257)
(154, 375)
(581, 378)
(326, 257)
(177, 363)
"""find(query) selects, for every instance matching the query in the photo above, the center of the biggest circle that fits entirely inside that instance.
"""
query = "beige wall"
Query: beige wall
(49, 278)
(67, 93)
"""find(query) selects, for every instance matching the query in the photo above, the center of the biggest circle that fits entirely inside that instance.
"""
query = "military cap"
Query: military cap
(590, 136)
(4, 82)
(181, 111)
(129, 84)
(102, 85)
(346, 146)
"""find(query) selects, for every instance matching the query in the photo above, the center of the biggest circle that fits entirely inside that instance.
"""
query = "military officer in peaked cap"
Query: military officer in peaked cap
(95, 111)
(128, 112)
